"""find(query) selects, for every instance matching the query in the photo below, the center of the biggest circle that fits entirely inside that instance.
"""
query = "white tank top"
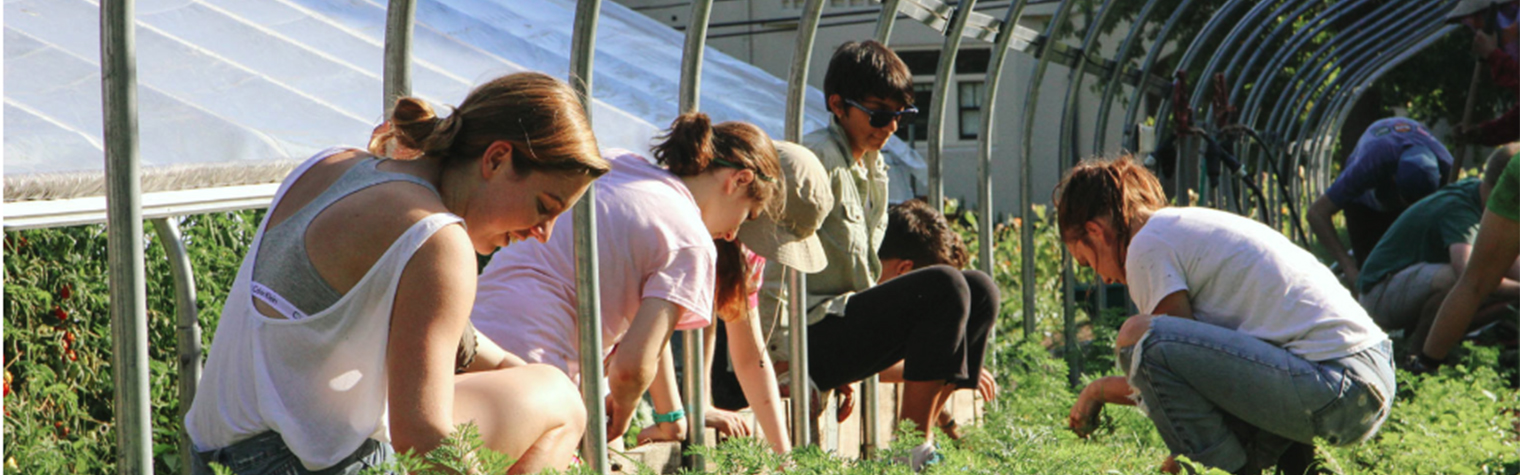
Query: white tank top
(318, 381)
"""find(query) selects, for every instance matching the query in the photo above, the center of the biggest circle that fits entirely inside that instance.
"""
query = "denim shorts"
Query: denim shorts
(267, 454)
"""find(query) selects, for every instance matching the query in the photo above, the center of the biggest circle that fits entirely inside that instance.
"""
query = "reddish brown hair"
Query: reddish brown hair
(1117, 191)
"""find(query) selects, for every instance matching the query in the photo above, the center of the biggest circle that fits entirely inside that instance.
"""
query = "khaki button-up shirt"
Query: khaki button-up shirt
(850, 234)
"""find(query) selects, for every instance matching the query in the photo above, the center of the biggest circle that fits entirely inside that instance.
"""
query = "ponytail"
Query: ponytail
(693, 146)
(1119, 191)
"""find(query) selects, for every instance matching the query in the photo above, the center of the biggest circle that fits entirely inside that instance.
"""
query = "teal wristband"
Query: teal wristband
(671, 416)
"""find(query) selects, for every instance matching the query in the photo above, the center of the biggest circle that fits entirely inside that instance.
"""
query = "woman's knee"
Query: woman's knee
(557, 396)
(1134, 327)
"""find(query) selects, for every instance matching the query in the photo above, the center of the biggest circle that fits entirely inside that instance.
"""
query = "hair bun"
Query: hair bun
(688, 145)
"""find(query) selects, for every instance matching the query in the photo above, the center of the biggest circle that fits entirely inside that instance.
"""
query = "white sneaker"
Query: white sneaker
(923, 456)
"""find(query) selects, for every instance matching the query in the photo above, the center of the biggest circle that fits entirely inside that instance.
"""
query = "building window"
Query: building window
(923, 95)
(970, 93)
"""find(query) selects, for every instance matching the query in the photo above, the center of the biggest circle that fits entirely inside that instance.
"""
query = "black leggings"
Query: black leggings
(935, 320)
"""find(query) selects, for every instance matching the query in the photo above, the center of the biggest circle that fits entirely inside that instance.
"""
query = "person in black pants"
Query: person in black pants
(926, 323)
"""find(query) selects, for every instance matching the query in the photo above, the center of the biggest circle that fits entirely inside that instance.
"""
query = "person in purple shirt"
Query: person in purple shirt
(1396, 163)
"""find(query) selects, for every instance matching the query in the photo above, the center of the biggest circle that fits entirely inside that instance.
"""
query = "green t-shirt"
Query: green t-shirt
(1504, 200)
(1425, 232)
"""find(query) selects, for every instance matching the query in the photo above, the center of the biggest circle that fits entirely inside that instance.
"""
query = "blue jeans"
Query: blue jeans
(1225, 398)
(266, 454)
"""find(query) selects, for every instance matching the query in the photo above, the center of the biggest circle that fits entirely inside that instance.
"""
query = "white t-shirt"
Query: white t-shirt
(651, 243)
(1245, 276)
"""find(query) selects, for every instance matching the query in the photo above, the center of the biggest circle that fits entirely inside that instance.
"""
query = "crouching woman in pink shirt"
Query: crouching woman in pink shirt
(658, 265)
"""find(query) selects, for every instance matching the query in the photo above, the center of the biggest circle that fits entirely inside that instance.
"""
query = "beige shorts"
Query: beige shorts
(1396, 302)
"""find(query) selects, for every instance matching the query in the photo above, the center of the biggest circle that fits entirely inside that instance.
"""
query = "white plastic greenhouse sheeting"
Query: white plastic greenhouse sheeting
(231, 92)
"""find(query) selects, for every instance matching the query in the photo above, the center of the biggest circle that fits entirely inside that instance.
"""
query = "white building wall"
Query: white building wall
(771, 47)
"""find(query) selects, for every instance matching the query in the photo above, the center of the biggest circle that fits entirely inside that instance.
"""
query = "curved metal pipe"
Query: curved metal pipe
(887, 21)
(1191, 54)
(1026, 185)
(1068, 145)
(807, 32)
(1116, 75)
(188, 327)
(1357, 71)
(1360, 48)
(1069, 153)
(987, 221)
(587, 285)
(1316, 126)
(1322, 20)
(1251, 21)
(1349, 46)
(694, 378)
(1145, 67)
(945, 74)
(1347, 100)
(1281, 28)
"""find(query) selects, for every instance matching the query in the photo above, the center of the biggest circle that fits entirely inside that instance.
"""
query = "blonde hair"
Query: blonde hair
(1118, 190)
(541, 116)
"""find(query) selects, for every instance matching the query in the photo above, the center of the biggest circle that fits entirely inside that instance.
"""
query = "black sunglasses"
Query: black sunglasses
(880, 119)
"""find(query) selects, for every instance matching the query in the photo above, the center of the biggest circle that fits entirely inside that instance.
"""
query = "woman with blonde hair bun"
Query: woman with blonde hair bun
(337, 344)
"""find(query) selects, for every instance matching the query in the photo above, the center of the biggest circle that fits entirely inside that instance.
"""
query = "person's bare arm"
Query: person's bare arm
(752, 365)
(1176, 305)
(666, 398)
(433, 301)
(490, 356)
(1497, 245)
(1461, 259)
(634, 365)
(1106, 390)
(1324, 229)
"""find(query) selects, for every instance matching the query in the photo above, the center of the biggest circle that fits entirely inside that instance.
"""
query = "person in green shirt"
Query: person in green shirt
(935, 320)
(1493, 268)
(1416, 264)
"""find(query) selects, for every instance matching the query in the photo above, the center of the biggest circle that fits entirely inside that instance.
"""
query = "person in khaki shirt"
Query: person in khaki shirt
(859, 325)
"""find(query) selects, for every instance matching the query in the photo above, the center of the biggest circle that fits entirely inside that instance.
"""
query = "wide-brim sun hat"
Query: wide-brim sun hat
(791, 239)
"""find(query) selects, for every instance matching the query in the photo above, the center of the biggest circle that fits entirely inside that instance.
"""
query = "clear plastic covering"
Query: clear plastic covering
(236, 88)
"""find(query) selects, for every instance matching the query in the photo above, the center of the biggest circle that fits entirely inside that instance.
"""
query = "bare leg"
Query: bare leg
(922, 401)
(533, 413)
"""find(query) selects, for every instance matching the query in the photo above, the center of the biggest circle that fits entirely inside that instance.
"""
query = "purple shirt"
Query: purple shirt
(1372, 165)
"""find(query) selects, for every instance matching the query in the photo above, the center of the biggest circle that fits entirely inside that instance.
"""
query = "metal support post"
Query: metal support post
(802, 431)
(807, 31)
(399, 17)
(1026, 182)
(124, 238)
(188, 327)
(588, 286)
(945, 75)
(986, 219)
(695, 375)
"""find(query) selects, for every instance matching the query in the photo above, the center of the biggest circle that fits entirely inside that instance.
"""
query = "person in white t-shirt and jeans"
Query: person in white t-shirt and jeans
(1245, 345)
(657, 264)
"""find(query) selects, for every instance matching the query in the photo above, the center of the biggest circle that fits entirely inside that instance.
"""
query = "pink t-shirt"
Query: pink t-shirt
(651, 243)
